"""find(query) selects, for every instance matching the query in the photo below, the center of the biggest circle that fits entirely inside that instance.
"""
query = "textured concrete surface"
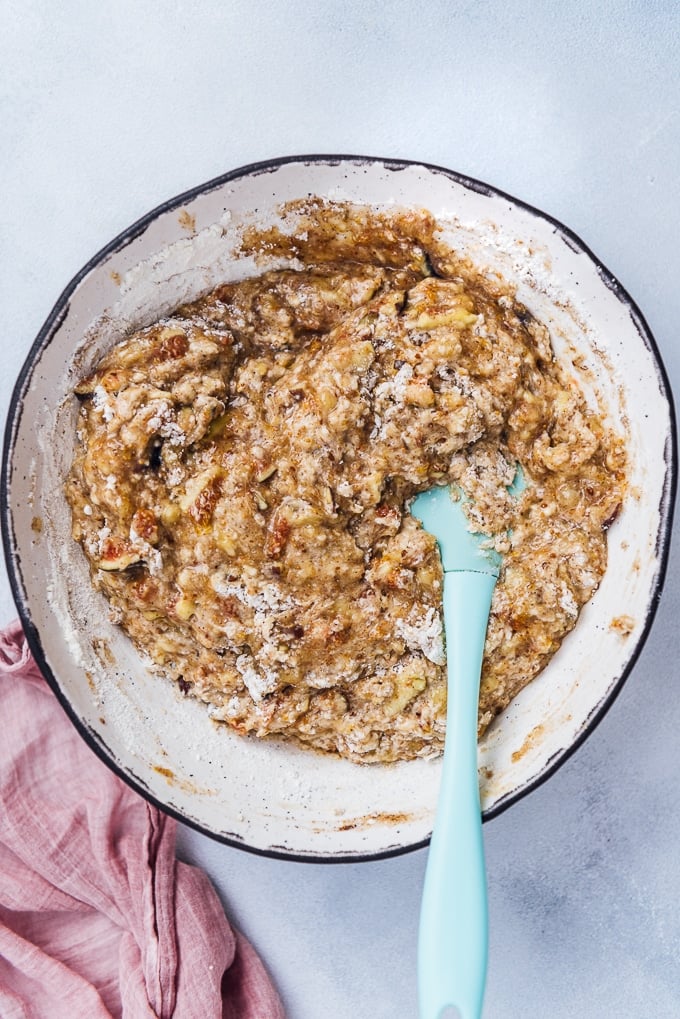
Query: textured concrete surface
(107, 110)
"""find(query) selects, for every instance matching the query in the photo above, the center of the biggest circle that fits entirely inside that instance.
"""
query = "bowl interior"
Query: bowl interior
(267, 796)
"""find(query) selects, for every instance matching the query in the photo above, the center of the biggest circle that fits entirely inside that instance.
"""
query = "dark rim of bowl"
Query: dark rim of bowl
(48, 330)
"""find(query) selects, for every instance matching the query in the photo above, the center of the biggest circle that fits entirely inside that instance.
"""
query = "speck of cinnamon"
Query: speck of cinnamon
(623, 625)
(187, 221)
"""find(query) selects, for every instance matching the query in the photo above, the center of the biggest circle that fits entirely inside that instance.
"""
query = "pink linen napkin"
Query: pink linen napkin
(97, 917)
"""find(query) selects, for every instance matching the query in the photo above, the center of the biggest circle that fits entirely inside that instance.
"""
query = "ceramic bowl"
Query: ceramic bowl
(270, 797)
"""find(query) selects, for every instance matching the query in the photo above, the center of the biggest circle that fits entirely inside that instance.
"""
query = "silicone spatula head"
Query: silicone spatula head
(442, 514)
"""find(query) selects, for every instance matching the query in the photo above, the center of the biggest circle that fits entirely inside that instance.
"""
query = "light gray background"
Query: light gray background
(108, 109)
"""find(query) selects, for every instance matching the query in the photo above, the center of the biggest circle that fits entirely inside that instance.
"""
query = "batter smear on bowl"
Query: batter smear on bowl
(244, 469)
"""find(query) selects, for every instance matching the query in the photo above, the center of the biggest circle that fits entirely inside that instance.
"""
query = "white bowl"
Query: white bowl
(266, 796)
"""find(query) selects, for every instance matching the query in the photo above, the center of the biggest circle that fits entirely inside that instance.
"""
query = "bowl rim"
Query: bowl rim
(58, 313)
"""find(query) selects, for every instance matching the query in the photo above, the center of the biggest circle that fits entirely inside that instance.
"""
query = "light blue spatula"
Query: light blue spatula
(453, 937)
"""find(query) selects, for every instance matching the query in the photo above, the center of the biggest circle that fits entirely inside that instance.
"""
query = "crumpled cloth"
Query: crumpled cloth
(97, 917)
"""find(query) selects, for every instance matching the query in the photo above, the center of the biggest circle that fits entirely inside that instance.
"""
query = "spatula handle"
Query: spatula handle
(453, 937)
